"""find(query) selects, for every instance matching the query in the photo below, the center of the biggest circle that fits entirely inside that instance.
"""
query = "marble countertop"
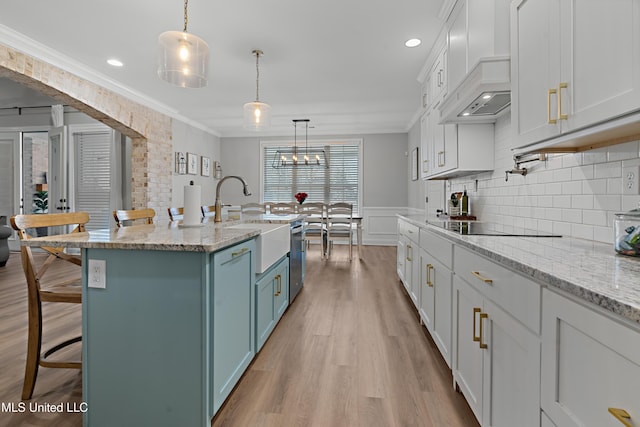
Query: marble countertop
(589, 270)
(209, 237)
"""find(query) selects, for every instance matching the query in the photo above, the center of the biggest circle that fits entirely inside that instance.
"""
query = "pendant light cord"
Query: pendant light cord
(257, 76)
(186, 15)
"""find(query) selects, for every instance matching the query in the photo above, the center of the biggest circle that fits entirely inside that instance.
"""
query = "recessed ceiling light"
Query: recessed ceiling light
(114, 62)
(412, 42)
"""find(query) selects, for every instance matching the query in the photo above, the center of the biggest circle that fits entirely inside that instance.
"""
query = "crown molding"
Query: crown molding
(31, 47)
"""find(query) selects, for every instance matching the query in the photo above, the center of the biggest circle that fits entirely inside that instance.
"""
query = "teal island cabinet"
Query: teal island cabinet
(168, 319)
(272, 299)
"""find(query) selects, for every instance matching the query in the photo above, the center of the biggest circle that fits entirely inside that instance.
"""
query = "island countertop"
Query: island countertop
(591, 271)
(209, 237)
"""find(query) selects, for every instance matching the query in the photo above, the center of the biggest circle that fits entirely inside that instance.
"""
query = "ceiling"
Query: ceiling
(342, 64)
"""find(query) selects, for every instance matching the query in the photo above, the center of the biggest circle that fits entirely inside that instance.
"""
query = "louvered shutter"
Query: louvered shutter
(93, 172)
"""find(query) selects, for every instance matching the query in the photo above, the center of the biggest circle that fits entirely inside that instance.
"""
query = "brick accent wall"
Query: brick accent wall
(149, 130)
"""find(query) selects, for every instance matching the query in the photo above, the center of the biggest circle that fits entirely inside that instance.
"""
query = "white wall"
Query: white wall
(573, 194)
(188, 139)
(385, 174)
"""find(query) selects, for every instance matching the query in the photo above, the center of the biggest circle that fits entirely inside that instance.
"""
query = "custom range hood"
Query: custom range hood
(483, 96)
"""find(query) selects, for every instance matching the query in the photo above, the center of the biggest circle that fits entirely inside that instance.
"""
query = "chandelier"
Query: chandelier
(294, 156)
(183, 58)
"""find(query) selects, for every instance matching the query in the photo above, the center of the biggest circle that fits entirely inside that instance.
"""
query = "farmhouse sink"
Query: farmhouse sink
(272, 243)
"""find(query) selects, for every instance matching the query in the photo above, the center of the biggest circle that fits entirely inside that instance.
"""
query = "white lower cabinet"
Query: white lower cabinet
(408, 262)
(435, 290)
(590, 363)
(496, 358)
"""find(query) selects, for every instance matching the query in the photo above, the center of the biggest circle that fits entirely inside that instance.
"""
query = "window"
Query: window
(340, 182)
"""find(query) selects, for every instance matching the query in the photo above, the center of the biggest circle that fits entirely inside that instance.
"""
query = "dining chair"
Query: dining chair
(253, 208)
(340, 225)
(146, 214)
(208, 210)
(315, 224)
(176, 214)
(282, 208)
(50, 291)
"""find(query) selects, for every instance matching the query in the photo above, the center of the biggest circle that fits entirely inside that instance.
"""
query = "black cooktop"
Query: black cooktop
(490, 229)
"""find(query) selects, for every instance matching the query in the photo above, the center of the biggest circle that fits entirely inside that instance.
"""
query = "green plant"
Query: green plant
(41, 202)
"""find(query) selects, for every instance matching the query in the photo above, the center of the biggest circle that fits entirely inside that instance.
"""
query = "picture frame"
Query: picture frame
(192, 164)
(181, 163)
(414, 164)
(205, 166)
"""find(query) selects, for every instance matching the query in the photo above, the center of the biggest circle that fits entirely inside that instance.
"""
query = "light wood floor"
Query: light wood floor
(349, 352)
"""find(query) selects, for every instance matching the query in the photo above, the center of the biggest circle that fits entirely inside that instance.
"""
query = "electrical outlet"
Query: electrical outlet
(97, 273)
(631, 180)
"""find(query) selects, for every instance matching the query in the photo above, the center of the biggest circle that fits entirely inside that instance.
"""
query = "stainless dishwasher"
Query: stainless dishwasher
(297, 259)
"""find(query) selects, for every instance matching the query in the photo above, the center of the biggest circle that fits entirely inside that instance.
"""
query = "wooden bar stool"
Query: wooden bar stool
(66, 291)
(134, 214)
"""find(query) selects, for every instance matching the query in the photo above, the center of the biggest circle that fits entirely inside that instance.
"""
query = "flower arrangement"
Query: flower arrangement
(300, 197)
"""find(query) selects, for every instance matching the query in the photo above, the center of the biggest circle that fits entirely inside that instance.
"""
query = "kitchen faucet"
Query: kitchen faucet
(218, 204)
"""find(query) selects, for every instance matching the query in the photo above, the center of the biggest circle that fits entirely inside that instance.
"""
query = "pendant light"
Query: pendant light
(183, 58)
(257, 115)
(294, 156)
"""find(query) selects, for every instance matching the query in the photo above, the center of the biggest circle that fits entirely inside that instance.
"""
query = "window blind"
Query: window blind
(340, 182)
(93, 183)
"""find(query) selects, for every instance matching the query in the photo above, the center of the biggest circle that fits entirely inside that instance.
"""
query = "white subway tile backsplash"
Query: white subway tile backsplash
(571, 160)
(572, 215)
(603, 234)
(582, 231)
(614, 186)
(562, 175)
(582, 172)
(594, 156)
(594, 217)
(593, 186)
(561, 201)
(553, 214)
(625, 151)
(608, 170)
(545, 201)
(553, 188)
(582, 201)
(575, 194)
(606, 202)
(572, 187)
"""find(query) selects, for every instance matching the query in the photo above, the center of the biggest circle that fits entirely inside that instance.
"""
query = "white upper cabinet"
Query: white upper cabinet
(439, 77)
(575, 64)
(477, 29)
(477, 34)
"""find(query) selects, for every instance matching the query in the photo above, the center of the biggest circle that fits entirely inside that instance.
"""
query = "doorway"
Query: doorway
(73, 168)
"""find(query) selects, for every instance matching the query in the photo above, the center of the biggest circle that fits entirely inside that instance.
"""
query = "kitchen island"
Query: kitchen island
(168, 319)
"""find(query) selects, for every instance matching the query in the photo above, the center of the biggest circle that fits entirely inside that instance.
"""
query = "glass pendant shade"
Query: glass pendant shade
(183, 59)
(257, 115)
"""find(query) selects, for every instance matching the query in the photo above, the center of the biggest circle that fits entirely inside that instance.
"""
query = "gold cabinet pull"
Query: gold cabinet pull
(425, 166)
(278, 279)
(560, 115)
(476, 310)
(621, 415)
(479, 276)
(429, 282)
(409, 258)
(240, 252)
(440, 164)
(549, 119)
(482, 316)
